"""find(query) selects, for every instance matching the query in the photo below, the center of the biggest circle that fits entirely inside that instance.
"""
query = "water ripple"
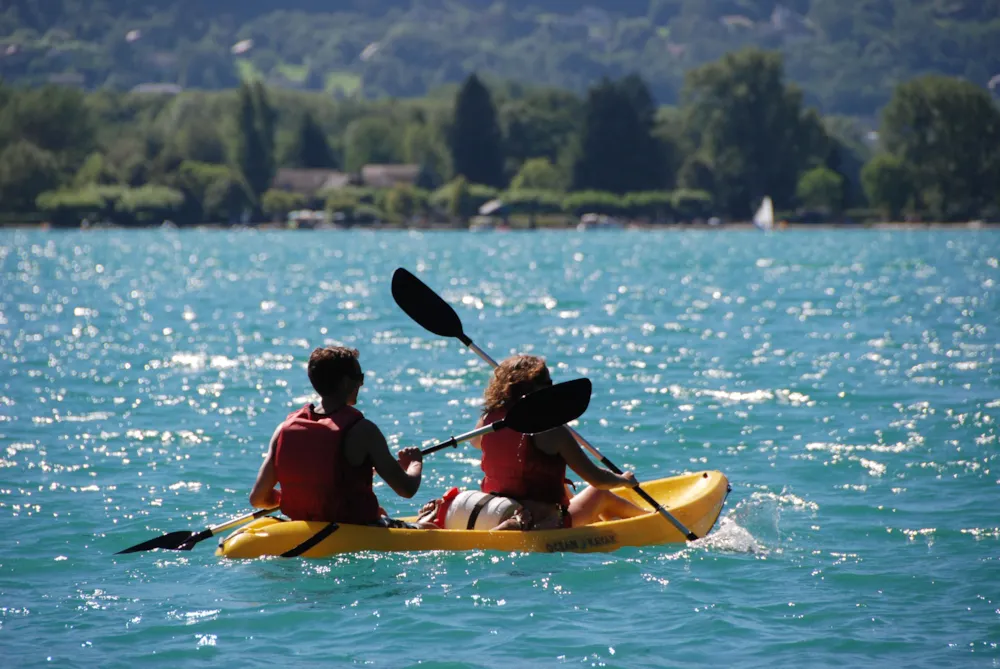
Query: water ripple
(847, 383)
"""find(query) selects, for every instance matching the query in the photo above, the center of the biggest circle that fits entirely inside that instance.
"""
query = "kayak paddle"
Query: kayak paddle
(185, 540)
(539, 411)
(431, 312)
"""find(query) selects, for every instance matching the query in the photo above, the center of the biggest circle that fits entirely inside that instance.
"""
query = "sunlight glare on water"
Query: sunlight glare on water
(845, 381)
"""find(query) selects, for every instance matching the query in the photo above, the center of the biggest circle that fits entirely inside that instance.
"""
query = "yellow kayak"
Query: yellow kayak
(694, 499)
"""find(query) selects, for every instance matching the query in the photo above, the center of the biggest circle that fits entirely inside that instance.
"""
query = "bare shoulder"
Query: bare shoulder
(361, 439)
(554, 441)
(363, 428)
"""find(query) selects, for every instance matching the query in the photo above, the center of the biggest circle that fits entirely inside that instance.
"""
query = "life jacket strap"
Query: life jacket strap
(474, 514)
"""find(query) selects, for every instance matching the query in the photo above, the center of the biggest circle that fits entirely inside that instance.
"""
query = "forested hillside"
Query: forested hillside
(846, 55)
(741, 133)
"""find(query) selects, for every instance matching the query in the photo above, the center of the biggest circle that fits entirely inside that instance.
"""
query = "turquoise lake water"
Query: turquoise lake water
(846, 382)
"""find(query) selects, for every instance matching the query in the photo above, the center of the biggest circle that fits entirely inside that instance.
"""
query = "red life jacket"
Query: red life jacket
(317, 481)
(516, 468)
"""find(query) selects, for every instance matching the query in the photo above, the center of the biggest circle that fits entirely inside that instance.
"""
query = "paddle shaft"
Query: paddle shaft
(538, 411)
(229, 524)
(210, 532)
(691, 536)
(455, 441)
(186, 540)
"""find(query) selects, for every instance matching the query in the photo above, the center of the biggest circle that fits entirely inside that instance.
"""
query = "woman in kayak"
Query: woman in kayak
(323, 458)
(531, 470)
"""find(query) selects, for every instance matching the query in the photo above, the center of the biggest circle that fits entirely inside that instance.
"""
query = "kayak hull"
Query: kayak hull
(696, 500)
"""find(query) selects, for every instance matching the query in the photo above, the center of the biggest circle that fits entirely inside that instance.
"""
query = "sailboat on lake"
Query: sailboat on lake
(764, 218)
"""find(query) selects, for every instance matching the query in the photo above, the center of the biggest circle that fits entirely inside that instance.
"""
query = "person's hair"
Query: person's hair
(330, 365)
(515, 377)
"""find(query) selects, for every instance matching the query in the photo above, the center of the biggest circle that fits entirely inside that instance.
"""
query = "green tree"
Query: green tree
(267, 120)
(676, 145)
(888, 184)
(276, 204)
(539, 125)
(534, 202)
(371, 140)
(617, 150)
(692, 204)
(655, 205)
(538, 174)
(127, 159)
(343, 202)
(70, 207)
(54, 118)
(948, 132)
(458, 198)
(199, 140)
(696, 174)
(475, 140)
(634, 88)
(95, 170)
(424, 145)
(213, 193)
(26, 171)
(752, 128)
(311, 148)
(405, 201)
(821, 188)
(593, 202)
(255, 139)
(149, 204)
(849, 151)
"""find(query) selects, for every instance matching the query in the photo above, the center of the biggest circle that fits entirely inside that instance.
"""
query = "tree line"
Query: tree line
(741, 133)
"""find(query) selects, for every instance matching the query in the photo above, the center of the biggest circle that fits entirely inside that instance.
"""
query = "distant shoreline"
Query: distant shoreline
(444, 227)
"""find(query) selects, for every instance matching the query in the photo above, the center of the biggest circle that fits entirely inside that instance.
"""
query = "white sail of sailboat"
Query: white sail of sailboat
(764, 218)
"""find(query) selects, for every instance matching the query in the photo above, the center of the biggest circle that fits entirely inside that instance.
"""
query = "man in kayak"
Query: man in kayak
(323, 458)
(531, 470)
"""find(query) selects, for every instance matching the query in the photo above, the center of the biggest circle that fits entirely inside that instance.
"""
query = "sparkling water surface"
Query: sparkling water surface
(845, 381)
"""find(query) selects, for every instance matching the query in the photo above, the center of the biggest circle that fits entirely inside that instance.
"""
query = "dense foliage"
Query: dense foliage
(846, 55)
(741, 133)
(475, 140)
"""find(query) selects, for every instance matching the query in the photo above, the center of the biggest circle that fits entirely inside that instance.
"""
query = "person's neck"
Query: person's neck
(329, 405)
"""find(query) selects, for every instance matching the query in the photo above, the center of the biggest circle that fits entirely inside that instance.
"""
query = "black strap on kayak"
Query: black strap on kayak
(487, 498)
(312, 541)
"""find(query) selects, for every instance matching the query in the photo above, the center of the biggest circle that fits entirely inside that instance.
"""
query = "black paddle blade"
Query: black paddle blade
(425, 306)
(550, 407)
(173, 541)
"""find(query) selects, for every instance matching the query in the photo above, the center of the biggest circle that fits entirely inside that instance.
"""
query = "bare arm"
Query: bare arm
(263, 495)
(477, 442)
(402, 475)
(560, 441)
